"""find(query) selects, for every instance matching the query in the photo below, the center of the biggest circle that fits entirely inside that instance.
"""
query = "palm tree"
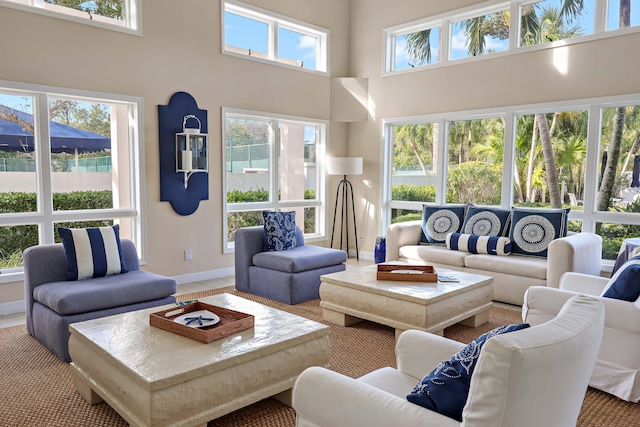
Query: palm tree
(415, 138)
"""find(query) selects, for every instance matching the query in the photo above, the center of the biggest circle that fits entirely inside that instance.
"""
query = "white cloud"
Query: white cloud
(307, 42)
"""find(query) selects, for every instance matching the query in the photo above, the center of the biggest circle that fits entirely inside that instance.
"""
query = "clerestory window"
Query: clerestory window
(260, 35)
(120, 15)
(502, 27)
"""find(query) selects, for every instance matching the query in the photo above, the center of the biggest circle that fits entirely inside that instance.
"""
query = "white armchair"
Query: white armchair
(617, 367)
(532, 377)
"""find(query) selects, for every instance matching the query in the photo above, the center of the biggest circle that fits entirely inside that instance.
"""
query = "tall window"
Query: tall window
(120, 15)
(490, 28)
(65, 160)
(566, 154)
(260, 35)
(272, 163)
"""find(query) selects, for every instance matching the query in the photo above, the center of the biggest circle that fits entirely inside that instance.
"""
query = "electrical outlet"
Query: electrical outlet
(188, 256)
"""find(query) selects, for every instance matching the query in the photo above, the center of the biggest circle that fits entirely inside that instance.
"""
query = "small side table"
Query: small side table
(627, 246)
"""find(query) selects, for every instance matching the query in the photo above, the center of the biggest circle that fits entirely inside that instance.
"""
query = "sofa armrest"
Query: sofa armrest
(418, 352)
(579, 252)
(319, 397)
(401, 234)
(583, 283)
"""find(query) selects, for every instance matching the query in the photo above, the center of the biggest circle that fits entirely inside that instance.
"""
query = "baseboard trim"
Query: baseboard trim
(203, 276)
(12, 307)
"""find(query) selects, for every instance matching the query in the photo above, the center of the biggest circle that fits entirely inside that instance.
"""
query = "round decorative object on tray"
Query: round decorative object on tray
(198, 319)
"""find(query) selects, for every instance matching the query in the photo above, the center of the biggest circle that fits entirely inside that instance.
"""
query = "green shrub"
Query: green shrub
(15, 239)
(475, 182)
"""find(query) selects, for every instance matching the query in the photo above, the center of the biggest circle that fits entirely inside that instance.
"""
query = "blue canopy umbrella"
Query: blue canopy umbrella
(635, 176)
(64, 139)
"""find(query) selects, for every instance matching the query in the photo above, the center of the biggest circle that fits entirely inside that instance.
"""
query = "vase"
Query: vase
(379, 253)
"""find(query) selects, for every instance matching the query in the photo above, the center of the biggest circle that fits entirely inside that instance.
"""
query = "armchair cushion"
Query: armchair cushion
(103, 292)
(303, 258)
(491, 245)
(279, 230)
(92, 252)
(446, 388)
(438, 221)
(532, 230)
(625, 283)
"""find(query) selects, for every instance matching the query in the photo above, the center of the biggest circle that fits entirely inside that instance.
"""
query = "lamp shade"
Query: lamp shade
(344, 166)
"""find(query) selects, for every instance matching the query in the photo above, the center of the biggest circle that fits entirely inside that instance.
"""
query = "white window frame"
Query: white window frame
(445, 20)
(274, 22)
(132, 23)
(274, 183)
(588, 215)
(45, 217)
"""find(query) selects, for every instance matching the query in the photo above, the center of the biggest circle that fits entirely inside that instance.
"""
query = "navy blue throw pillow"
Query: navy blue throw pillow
(279, 230)
(625, 283)
(438, 221)
(446, 388)
(533, 229)
(486, 221)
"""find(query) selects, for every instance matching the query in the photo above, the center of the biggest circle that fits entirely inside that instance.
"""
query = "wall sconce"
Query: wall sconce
(191, 150)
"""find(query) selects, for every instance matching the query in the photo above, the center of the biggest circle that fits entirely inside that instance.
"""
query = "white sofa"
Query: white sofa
(531, 377)
(617, 368)
(512, 274)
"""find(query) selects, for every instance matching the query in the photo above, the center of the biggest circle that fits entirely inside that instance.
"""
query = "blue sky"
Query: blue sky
(250, 34)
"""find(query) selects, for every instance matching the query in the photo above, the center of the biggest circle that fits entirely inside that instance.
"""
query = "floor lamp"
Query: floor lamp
(345, 166)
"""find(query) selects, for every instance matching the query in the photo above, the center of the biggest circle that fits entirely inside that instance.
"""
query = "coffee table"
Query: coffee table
(153, 377)
(355, 294)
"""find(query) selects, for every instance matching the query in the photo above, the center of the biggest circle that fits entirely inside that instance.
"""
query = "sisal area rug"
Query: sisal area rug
(36, 389)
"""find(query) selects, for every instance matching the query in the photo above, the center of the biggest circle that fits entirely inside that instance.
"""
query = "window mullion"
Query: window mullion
(509, 165)
(601, 14)
(42, 150)
(514, 25)
(274, 169)
(445, 35)
(443, 160)
(593, 158)
(273, 41)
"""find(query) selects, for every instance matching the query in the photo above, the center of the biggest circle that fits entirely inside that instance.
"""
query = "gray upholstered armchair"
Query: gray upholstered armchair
(52, 303)
(291, 276)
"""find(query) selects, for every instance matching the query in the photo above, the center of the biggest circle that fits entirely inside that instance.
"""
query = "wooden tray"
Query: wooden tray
(426, 273)
(230, 323)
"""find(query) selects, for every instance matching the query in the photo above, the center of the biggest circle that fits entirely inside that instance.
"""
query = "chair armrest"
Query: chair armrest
(579, 252)
(328, 399)
(401, 234)
(248, 241)
(542, 303)
(418, 352)
(583, 283)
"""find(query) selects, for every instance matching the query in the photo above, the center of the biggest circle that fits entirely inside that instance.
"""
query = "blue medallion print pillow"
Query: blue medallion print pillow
(279, 230)
(486, 221)
(438, 221)
(625, 283)
(445, 389)
(92, 252)
(533, 229)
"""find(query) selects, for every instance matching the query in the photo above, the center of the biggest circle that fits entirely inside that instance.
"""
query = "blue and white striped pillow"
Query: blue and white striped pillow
(92, 252)
(492, 245)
